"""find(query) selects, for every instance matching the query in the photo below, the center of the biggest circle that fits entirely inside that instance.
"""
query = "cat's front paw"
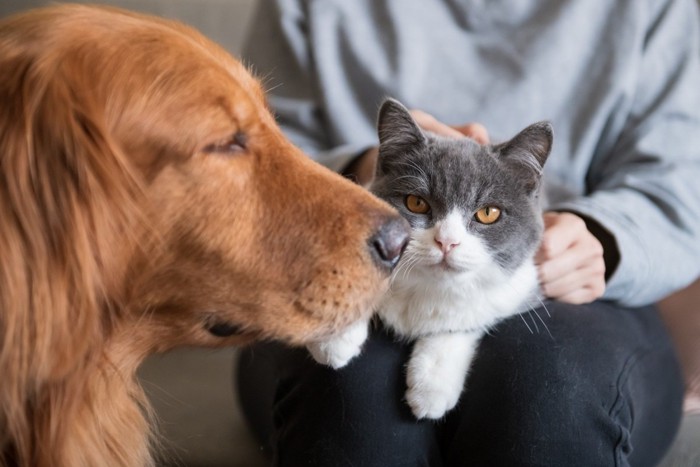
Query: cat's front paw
(436, 372)
(430, 399)
(337, 352)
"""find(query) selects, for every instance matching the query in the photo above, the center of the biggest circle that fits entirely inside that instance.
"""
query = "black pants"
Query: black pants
(599, 386)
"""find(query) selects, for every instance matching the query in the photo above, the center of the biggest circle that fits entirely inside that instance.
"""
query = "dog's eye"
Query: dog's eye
(235, 144)
(223, 329)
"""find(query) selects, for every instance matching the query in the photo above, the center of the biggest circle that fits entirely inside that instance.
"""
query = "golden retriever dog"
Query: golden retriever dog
(148, 200)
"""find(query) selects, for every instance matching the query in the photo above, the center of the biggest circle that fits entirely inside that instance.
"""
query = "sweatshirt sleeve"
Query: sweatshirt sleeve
(278, 46)
(646, 190)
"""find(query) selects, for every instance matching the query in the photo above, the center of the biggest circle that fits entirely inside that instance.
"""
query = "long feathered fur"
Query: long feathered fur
(67, 202)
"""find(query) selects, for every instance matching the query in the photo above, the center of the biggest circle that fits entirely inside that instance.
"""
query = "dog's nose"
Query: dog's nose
(389, 241)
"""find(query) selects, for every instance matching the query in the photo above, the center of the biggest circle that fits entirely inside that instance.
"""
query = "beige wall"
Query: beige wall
(224, 21)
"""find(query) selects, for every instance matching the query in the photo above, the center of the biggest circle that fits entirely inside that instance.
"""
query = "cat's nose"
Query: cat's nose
(387, 244)
(446, 244)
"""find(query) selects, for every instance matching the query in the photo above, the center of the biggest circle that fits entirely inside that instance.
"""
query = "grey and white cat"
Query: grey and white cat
(476, 223)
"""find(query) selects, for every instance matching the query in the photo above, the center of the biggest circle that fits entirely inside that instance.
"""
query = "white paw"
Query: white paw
(431, 399)
(337, 351)
(436, 373)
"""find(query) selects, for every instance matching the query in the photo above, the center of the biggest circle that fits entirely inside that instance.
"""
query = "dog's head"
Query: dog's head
(148, 200)
(144, 179)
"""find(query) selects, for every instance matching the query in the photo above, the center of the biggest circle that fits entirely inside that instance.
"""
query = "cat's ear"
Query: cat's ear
(398, 131)
(529, 148)
(396, 126)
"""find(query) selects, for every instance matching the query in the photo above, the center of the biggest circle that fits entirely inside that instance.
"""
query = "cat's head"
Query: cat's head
(470, 206)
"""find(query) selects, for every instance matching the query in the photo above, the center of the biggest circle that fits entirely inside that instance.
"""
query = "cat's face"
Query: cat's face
(471, 207)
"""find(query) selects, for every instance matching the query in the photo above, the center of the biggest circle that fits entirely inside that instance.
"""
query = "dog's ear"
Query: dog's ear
(67, 205)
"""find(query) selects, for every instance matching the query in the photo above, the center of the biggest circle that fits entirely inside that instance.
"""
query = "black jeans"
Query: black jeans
(599, 386)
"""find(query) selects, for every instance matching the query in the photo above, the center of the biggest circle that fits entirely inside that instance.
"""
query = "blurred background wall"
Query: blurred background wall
(224, 21)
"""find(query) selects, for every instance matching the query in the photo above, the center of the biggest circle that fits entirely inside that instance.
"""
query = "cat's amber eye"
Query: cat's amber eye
(488, 215)
(416, 204)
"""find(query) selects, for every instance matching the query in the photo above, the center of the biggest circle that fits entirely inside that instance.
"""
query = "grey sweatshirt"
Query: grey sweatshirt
(618, 79)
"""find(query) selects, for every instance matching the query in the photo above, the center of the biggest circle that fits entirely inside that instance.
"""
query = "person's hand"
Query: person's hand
(364, 167)
(475, 131)
(570, 260)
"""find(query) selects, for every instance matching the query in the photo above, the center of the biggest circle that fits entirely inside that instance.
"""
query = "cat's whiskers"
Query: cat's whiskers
(404, 266)
(412, 266)
(420, 181)
(534, 323)
(409, 264)
(543, 305)
(532, 310)
(526, 325)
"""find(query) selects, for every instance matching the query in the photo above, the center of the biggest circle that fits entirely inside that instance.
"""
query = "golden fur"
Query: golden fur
(131, 221)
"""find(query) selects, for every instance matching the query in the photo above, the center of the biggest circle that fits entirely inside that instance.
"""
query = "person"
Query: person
(600, 385)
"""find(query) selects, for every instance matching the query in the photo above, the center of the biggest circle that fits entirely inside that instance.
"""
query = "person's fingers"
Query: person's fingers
(430, 123)
(579, 255)
(561, 230)
(581, 296)
(475, 131)
(589, 279)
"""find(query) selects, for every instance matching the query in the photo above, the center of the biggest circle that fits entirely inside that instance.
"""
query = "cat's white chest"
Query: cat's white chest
(422, 303)
(448, 314)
